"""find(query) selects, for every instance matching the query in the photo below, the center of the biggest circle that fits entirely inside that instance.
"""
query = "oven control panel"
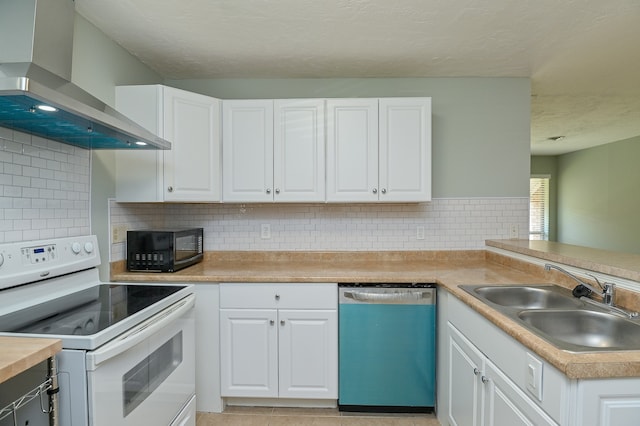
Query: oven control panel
(40, 254)
(30, 261)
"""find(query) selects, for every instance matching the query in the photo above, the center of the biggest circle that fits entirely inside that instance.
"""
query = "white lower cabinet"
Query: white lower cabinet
(249, 352)
(207, 347)
(610, 402)
(487, 378)
(480, 394)
(307, 356)
(279, 340)
(465, 390)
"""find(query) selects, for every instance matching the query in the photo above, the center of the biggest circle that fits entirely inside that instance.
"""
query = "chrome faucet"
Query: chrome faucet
(606, 291)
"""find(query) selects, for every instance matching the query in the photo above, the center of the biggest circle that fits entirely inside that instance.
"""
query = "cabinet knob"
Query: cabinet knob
(375, 190)
(281, 322)
(484, 379)
(170, 189)
(476, 371)
(268, 190)
(271, 322)
(384, 190)
(277, 297)
(277, 190)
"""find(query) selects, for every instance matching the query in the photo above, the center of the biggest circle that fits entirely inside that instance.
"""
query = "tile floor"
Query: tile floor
(265, 416)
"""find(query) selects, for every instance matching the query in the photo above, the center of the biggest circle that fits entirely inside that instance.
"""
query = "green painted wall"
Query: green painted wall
(481, 126)
(598, 203)
(99, 64)
(548, 165)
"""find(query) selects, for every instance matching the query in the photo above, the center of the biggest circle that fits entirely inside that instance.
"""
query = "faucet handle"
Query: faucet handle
(597, 281)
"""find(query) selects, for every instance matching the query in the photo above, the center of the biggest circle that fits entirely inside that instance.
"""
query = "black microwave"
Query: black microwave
(163, 250)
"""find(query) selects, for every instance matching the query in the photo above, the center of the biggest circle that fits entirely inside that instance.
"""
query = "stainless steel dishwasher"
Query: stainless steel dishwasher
(387, 347)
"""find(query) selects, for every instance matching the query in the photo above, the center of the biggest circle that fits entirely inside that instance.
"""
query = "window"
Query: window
(539, 208)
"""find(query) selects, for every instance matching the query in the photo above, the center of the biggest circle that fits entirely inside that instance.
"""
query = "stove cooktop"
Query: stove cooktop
(87, 311)
(52, 288)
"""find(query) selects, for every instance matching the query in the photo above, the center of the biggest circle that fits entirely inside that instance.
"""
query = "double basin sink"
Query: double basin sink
(552, 313)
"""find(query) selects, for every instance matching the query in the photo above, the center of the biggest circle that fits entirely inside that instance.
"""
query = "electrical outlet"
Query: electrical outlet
(265, 231)
(118, 233)
(513, 231)
(420, 233)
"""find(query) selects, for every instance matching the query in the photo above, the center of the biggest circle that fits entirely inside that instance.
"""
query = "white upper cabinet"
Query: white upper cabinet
(352, 150)
(190, 171)
(247, 150)
(273, 150)
(263, 151)
(298, 150)
(405, 149)
(379, 150)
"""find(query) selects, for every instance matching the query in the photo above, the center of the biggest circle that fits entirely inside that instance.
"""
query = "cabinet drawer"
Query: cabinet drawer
(275, 296)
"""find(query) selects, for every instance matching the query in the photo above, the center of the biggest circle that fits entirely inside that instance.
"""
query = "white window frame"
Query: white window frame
(539, 215)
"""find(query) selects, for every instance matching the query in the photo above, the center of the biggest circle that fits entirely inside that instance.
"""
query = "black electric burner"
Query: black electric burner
(86, 312)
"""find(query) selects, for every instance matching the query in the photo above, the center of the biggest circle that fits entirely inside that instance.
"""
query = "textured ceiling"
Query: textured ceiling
(583, 56)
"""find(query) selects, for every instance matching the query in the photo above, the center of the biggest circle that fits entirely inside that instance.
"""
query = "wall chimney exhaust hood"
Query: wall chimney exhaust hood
(36, 93)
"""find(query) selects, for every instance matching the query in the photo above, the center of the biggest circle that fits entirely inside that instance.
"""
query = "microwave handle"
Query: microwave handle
(139, 333)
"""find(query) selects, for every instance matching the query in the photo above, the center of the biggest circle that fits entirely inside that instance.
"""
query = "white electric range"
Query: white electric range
(128, 349)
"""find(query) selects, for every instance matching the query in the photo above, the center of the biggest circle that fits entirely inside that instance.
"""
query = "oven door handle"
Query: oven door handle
(139, 333)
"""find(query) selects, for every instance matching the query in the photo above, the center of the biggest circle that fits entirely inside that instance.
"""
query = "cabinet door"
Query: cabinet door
(465, 385)
(190, 170)
(249, 352)
(247, 149)
(298, 151)
(139, 173)
(405, 149)
(607, 402)
(506, 404)
(352, 150)
(192, 166)
(308, 353)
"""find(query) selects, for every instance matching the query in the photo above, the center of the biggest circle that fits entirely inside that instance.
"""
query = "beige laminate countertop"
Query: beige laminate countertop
(18, 354)
(619, 264)
(448, 269)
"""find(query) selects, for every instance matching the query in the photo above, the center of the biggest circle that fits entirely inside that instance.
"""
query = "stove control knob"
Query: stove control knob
(76, 247)
(88, 247)
(1, 259)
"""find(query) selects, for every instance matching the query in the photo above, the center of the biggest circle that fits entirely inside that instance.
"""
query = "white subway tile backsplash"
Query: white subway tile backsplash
(450, 224)
(44, 188)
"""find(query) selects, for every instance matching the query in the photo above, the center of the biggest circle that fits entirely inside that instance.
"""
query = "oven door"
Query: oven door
(147, 375)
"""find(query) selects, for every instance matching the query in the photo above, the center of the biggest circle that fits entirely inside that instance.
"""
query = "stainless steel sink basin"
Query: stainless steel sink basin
(583, 329)
(567, 322)
(526, 297)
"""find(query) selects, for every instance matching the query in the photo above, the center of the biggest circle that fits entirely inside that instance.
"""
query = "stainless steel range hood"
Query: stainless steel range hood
(36, 48)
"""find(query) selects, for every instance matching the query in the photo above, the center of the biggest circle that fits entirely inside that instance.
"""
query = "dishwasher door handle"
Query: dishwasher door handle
(408, 296)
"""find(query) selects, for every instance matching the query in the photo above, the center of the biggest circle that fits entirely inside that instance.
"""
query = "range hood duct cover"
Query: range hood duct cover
(36, 49)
